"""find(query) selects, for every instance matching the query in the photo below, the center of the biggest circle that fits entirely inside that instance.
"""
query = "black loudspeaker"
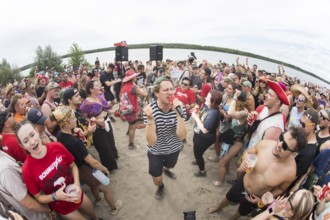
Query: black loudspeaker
(121, 53)
(156, 52)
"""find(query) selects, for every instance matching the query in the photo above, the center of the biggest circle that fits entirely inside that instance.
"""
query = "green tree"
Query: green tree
(8, 74)
(76, 55)
(46, 58)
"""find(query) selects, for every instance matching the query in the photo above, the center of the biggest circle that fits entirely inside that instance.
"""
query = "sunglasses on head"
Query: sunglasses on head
(300, 100)
(285, 146)
(322, 117)
(303, 124)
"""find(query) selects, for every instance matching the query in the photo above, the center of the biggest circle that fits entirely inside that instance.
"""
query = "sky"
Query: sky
(293, 31)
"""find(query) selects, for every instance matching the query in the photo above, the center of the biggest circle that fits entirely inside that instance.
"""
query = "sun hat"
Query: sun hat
(129, 75)
(298, 89)
(279, 91)
(8, 87)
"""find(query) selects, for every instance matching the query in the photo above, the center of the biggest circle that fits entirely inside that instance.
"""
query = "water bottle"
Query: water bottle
(100, 176)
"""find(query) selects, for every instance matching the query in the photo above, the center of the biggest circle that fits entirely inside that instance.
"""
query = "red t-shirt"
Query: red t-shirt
(10, 146)
(67, 84)
(49, 173)
(187, 97)
(206, 88)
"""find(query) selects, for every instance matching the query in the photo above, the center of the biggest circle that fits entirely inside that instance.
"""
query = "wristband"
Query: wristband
(54, 197)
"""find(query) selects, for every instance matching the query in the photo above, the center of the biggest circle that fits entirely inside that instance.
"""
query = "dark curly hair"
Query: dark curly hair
(299, 135)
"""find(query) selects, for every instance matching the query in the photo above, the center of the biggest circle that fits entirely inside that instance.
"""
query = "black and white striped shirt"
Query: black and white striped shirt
(166, 123)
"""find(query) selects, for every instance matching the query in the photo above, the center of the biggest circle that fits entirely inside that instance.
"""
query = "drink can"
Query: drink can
(253, 118)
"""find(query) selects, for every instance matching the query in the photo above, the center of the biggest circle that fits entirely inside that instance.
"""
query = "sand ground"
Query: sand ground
(133, 184)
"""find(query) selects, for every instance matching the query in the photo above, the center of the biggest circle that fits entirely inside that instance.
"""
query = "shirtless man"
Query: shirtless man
(274, 171)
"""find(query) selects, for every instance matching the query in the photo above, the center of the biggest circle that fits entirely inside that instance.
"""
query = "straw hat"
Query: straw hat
(8, 87)
(298, 89)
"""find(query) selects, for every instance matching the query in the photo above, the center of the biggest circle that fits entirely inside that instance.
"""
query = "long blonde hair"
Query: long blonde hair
(303, 208)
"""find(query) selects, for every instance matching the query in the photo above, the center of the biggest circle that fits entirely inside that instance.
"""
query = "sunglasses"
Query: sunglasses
(306, 124)
(285, 146)
(185, 84)
(322, 117)
(300, 100)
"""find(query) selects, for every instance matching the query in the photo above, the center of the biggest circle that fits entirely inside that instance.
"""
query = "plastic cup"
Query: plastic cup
(266, 198)
(72, 190)
(252, 160)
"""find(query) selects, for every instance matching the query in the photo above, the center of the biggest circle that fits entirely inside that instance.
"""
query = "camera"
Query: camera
(191, 57)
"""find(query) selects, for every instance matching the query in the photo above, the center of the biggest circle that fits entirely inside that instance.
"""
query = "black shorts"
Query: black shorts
(237, 195)
(109, 96)
(157, 162)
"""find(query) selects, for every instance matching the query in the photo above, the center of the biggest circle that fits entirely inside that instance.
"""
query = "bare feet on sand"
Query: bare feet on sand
(212, 210)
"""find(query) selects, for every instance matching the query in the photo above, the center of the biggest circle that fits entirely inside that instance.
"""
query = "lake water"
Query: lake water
(212, 57)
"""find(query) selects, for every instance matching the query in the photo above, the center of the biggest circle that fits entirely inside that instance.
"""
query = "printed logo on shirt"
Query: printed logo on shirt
(50, 168)
(182, 94)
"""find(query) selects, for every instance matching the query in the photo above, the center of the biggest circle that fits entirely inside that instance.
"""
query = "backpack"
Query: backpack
(125, 106)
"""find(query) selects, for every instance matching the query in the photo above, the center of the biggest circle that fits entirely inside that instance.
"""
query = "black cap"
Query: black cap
(68, 94)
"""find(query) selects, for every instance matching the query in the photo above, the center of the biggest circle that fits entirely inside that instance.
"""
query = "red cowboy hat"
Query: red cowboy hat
(130, 74)
(279, 91)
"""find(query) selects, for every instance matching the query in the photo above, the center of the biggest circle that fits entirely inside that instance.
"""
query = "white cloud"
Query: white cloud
(294, 31)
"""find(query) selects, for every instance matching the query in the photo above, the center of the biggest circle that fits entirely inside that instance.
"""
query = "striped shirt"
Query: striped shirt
(167, 140)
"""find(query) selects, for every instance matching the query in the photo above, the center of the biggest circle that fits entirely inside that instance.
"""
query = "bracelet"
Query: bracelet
(54, 197)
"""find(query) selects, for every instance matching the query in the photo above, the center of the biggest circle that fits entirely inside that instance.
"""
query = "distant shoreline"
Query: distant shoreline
(194, 47)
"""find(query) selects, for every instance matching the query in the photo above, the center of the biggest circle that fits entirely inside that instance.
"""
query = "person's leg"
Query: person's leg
(225, 160)
(200, 146)
(170, 162)
(131, 133)
(87, 207)
(234, 196)
(216, 144)
(155, 170)
(107, 196)
(96, 194)
(75, 215)
(224, 203)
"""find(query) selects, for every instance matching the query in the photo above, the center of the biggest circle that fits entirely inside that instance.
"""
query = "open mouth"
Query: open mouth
(36, 147)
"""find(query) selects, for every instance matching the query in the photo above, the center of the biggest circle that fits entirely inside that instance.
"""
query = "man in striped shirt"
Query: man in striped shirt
(165, 130)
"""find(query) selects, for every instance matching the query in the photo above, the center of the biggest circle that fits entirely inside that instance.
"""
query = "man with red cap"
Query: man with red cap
(270, 119)
(129, 103)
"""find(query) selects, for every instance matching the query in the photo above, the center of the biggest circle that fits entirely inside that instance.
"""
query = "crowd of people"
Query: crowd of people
(48, 124)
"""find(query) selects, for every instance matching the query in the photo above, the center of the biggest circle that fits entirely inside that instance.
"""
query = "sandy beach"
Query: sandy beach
(133, 184)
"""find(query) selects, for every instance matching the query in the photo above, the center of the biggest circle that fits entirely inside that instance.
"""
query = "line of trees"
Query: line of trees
(48, 58)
